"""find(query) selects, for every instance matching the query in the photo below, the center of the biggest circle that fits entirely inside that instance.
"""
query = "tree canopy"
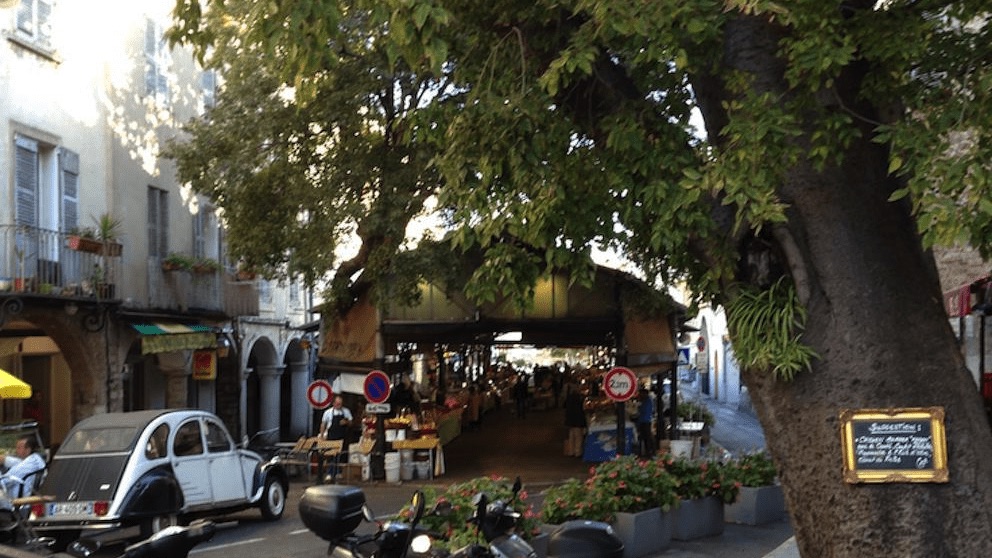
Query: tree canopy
(841, 140)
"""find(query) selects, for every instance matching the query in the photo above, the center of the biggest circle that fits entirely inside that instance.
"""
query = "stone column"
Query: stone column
(299, 417)
(175, 366)
(268, 387)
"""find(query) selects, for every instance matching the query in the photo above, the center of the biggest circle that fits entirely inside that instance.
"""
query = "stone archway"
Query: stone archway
(260, 388)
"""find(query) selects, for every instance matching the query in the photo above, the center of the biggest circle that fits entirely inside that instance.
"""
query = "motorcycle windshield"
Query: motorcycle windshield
(512, 547)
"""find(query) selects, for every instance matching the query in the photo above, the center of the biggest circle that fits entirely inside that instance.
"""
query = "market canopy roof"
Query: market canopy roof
(563, 314)
(160, 337)
(12, 387)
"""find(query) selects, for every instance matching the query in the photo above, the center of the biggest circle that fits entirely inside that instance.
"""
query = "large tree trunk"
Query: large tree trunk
(877, 322)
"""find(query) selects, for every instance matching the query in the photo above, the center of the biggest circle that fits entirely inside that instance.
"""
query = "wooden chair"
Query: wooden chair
(299, 455)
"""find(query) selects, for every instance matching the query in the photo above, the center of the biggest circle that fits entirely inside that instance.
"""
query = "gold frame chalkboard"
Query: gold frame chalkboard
(849, 418)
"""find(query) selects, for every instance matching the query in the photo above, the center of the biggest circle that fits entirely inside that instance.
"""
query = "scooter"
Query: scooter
(172, 542)
(573, 539)
(333, 512)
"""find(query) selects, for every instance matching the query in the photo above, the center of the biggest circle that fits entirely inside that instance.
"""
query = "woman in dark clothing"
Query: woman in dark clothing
(575, 419)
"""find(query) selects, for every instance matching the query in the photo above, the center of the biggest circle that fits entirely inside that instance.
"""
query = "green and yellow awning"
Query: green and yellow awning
(166, 337)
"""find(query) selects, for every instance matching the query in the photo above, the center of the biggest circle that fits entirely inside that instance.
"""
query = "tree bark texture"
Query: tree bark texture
(876, 320)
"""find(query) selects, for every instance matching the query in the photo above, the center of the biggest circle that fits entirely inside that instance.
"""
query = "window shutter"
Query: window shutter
(69, 177)
(26, 178)
(25, 17)
(151, 58)
(158, 223)
(43, 34)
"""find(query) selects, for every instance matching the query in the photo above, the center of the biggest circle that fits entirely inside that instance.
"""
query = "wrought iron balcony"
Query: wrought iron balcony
(50, 263)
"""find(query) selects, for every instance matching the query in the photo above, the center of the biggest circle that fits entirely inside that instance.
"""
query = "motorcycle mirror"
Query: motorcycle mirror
(418, 506)
(442, 508)
(367, 513)
(517, 485)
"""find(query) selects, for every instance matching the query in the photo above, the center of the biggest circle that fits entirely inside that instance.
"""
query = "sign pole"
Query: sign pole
(621, 430)
(620, 384)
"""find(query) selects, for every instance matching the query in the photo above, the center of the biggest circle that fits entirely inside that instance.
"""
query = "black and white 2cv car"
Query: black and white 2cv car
(152, 469)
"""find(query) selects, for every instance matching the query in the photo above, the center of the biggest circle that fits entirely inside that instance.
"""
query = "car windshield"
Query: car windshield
(100, 440)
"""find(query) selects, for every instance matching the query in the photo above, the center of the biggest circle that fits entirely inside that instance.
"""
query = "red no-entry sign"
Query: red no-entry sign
(320, 394)
(620, 384)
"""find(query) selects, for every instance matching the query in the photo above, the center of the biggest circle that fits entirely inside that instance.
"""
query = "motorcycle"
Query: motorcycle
(498, 521)
(172, 542)
(334, 512)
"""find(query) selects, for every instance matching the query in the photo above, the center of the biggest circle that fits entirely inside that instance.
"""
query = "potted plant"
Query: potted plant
(244, 272)
(703, 487)
(205, 265)
(108, 229)
(635, 495)
(84, 240)
(177, 262)
(761, 499)
(101, 239)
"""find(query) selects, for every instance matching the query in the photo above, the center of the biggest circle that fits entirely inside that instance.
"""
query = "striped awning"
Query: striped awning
(166, 337)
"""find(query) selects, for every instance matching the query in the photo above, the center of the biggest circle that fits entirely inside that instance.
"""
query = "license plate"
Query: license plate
(70, 508)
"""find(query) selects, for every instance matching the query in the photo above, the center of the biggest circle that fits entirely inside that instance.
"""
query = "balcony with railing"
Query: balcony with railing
(195, 289)
(45, 263)
(49, 263)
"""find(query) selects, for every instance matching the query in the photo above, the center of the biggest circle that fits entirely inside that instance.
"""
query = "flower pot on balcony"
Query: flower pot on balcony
(756, 505)
(94, 246)
(24, 284)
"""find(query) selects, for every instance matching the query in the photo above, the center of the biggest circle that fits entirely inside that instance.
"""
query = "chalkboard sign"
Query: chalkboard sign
(894, 445)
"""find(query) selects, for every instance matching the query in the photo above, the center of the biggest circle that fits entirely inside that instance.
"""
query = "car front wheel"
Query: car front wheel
(273, 499)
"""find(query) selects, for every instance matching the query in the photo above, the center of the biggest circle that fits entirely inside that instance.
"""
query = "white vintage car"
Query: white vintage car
(152, 469)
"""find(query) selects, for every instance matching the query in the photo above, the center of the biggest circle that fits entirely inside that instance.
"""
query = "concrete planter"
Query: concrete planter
(644, 533)
(698, 518)
(756, 505)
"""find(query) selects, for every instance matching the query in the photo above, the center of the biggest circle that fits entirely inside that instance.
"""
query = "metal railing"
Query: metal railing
(50, 263)
(40, 261)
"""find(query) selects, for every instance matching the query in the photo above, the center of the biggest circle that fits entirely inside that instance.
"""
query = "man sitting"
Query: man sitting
(20, 471)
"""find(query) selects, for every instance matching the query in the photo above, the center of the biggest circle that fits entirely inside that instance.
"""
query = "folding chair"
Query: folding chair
(299, 455)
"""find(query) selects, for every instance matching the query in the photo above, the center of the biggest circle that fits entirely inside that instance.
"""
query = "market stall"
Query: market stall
(601, 441)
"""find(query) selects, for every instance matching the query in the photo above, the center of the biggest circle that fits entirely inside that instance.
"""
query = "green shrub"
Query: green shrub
(699, 479)
(754, 469)
(626, 484)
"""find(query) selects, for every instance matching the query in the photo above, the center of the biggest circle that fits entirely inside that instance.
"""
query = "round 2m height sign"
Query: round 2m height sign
(620, 384)
(320, 394)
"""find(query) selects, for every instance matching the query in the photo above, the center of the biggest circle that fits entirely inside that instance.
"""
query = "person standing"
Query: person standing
(645, 414)
(575, 419)
(520, 394)
(334, 423)
(334, 426)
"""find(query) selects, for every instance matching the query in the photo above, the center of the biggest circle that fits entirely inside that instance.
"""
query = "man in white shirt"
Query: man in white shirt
(335, 421)
(19, 470)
